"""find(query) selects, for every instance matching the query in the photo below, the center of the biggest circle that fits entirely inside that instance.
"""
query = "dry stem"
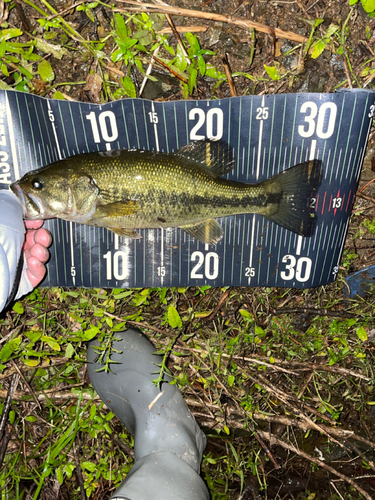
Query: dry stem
(242, 23)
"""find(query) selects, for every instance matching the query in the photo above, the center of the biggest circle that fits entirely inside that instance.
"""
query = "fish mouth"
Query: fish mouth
(30, 206)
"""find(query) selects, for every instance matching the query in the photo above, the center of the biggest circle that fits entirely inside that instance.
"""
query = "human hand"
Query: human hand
(37, 241)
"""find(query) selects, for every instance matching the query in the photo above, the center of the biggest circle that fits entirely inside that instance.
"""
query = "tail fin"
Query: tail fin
(298, 185)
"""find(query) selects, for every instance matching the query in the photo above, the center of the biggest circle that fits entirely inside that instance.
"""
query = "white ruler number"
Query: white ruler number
(103, 126)
(214, 120)
(318, 120)
(116, 264)
(300, 268)
(210, 261)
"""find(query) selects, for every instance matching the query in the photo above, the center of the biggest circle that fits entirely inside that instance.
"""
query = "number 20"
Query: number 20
(211, 265)
(213, 115)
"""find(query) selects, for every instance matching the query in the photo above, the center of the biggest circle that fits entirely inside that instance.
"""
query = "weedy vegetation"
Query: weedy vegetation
(281, 380)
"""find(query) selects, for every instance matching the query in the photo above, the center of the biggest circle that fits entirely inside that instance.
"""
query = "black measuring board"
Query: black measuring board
(268, 134)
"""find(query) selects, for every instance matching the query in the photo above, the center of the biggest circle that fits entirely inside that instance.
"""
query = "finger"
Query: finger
(43, 237)
(38, 251)
(35, 271)
(29, 239)
(33, 224)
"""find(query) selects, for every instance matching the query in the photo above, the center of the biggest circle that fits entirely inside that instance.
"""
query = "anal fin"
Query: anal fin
(208, 231)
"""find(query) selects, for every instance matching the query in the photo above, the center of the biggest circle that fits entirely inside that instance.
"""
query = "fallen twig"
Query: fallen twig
(228, 72)
(4, 431)
(365, 197)
(46, 364)
(148, 71)
(170, 69)
(175, 31)
(218, 305)
(79, 472)
(184, 29)
(9, 395)
(242, 23)
(26, 383)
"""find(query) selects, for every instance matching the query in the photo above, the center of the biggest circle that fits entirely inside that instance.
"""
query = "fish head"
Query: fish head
(54, 191)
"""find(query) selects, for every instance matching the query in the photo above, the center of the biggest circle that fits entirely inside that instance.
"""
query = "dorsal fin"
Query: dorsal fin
(215, 156)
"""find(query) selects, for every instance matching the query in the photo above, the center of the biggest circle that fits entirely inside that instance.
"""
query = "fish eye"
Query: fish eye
(37, 183)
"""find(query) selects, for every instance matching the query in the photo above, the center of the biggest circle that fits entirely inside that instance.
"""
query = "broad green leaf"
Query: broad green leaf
(60, 475)
(368, 5)
(31, 362)
(25, 72)
(202, 314)
(69, 468)
(34, 336)
(231, 380)
(90, 15)
(51, 342)
(174, 318)
(246, 314)
(121, 29)
(360, 355)
(18, 308)
(128, 86)
(9, 348)
(192, 78)
(272, 72)
(31, 418)
(352, 2)
(12, 416)
(69, 351)
(10, 33)
(92, 411)
(361, 333)
(58, 95)
(201, 65)
(88, 466)
(180, 60)
(3, 46)
(91, 332)
(317, 48)
(45, 70)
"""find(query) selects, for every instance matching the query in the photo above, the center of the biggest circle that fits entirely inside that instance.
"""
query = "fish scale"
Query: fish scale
(125, 190)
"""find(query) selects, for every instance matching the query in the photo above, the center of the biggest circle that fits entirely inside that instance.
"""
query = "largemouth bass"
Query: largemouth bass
(125, 190)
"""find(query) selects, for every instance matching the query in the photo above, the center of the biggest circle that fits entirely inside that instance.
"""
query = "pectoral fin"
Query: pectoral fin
(129, 233)
(207, 231)
(117, 209)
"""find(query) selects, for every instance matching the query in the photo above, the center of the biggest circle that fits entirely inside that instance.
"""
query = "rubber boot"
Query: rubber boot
(168, 442)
